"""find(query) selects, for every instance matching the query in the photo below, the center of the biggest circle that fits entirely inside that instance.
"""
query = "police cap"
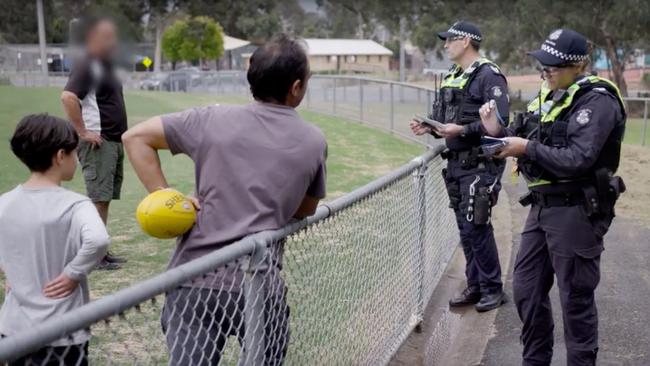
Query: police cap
(562, 46)
(462, 29)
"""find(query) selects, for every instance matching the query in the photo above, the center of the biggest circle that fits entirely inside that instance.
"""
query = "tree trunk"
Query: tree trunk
(618, 66)
(157, 58)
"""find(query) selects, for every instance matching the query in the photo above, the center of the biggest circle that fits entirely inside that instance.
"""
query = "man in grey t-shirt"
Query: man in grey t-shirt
(257, 166)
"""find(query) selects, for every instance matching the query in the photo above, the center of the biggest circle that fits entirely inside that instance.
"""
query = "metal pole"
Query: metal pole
(420, 209)
(392, 108)
(41, 38)
(402, 52)
(309, 97)
(334, 98)
(360, 100)
(254, 296)
(429, 103)
(645, 122)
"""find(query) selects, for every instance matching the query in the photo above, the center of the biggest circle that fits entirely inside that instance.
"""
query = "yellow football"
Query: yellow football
(165, 214)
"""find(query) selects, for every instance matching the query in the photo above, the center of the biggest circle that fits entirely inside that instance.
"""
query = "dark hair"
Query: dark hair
(38, 137)
(89, 23)
(476, 45)
(275, 66)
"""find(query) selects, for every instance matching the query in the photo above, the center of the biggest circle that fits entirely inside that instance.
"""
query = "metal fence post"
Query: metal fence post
(308, 97)
(392, 108)
(360, 100)
(254, 296)
(334, 97)
(645, 122)
(419, 246)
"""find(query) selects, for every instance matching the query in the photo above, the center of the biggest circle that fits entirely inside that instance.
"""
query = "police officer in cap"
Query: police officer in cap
(567, 147)
(472, 179)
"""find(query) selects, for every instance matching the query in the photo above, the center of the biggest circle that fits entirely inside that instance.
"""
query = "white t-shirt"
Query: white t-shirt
(43, 233)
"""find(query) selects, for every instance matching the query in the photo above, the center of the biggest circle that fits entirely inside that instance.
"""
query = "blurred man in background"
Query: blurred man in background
(93, 101)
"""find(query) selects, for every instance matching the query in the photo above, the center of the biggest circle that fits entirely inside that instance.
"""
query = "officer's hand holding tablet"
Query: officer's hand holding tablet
(421, 125)
(501, 147)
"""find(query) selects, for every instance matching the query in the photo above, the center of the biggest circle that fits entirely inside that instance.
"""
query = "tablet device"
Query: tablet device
(491, 145)
(429, 122)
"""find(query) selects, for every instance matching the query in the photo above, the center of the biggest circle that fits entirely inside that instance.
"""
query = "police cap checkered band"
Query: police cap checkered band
(562, 55)
(562, 46)
(462, 29)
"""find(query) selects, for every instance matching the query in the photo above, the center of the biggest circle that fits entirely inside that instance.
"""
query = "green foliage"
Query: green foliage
(260, 27)
(253, 20)
(172, 40)
(195, 39)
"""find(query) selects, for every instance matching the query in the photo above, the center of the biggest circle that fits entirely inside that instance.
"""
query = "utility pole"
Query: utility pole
(41, 37)
(402, 55)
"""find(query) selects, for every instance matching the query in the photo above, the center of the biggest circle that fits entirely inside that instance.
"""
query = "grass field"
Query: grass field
(357, 154)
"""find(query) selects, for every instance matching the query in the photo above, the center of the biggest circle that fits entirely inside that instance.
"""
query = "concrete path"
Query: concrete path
(492, 339)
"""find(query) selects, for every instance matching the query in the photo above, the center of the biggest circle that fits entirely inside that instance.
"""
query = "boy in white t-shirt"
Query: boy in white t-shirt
(51, 239)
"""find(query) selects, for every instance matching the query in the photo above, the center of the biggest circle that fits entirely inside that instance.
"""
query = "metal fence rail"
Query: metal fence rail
(343, 287)
(384, 104)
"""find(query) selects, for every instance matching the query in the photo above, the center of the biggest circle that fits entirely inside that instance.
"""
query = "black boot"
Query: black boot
(491, 301)
(469, 296)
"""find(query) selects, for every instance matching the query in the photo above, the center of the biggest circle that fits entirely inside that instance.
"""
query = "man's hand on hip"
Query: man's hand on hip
(91, 137)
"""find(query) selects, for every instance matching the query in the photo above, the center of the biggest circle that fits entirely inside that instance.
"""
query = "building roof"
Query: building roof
(328, 47)
(231, 43)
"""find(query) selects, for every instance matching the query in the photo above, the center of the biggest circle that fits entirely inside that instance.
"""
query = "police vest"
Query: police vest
(548, 124)
(454, 104)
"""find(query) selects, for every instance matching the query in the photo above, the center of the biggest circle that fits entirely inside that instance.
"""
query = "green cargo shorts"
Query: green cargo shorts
(103, 169)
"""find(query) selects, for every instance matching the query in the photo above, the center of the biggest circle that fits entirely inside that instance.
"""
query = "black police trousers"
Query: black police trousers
(562, 242)
(482, 268)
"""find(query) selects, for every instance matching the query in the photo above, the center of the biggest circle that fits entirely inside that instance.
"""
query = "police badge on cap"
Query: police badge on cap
(562, 46)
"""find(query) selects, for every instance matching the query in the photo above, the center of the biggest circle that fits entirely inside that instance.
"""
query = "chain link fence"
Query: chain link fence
(343, 287)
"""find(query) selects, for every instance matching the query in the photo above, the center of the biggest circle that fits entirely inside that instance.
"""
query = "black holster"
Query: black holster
(601, 197)
(482, 206)
(453, 190)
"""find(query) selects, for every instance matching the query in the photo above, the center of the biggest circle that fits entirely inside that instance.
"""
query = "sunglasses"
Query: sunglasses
(550, 69)
(451, 39)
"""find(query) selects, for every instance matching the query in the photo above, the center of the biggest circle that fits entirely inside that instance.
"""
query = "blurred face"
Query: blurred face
(559, 77)
(66, 164)
(456, 47)
(102, 40)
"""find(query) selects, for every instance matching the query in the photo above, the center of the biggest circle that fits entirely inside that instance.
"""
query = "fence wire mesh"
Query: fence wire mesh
(344, 288)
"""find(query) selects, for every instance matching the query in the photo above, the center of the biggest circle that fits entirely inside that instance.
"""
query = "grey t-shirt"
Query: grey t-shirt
(254, 164)
(46, 232)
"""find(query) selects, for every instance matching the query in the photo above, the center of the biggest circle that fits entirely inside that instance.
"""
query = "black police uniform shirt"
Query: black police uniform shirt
(100, 93)
(488, 84)
(593, 117)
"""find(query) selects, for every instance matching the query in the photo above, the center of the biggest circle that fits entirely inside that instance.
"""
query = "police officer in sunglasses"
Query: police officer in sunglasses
(567, 147)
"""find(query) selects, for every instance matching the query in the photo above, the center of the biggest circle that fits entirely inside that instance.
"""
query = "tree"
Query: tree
(254, 20)
(195, 39)
(172, 40)
(202, 39)
(161, 14)
(512, 28)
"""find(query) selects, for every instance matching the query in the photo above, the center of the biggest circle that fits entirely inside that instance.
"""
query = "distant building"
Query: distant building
(348, 55)
(233, 51)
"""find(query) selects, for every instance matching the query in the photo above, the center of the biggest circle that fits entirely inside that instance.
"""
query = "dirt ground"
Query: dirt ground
(635, 170)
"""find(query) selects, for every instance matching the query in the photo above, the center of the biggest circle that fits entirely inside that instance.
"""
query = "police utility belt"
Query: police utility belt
(597, 197)
(468, 159)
